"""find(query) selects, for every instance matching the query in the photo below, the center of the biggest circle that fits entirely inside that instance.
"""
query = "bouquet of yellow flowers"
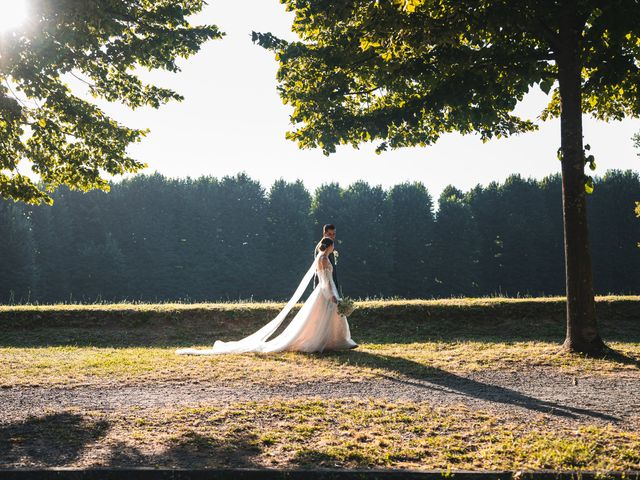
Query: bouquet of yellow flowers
(346, 306)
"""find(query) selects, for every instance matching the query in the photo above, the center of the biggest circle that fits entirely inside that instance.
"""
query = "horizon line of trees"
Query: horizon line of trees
(153, 238)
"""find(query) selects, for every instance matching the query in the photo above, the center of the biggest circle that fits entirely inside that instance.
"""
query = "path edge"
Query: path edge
(316, 474)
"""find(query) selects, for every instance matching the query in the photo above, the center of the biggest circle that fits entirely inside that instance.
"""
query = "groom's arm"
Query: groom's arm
(315, 276)
(335, 271)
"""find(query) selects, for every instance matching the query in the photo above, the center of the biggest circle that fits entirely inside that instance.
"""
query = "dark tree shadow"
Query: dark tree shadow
(192, 451)
(620, 357)
(432, 378)
(51, 440)
(60, 439)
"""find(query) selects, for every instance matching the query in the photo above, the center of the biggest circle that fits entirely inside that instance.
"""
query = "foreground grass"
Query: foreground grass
(312, 433)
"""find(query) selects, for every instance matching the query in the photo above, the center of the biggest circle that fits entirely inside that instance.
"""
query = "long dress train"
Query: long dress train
(315, 328)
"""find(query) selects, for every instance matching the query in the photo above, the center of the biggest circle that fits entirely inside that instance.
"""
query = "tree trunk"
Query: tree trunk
(582, 331)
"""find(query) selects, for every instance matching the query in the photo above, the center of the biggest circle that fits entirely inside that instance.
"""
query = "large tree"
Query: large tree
(636, 139)
(638, 214)
(67, 139)
(404, 72)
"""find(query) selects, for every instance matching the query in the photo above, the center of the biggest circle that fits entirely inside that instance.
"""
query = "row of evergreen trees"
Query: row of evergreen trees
(157, 239)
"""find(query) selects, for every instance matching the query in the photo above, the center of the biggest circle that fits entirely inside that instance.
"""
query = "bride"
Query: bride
(315, 328)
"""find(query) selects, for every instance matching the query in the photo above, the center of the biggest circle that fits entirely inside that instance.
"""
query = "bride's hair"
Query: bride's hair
(323, 244)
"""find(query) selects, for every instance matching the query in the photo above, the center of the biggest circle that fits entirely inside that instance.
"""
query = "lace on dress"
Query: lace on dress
(324, 271)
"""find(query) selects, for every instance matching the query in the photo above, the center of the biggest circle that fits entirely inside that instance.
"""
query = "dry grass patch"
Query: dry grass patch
(337, 433)
(374, 433)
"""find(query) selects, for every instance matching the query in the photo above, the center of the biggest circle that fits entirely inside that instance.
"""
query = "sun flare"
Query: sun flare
(12, 14)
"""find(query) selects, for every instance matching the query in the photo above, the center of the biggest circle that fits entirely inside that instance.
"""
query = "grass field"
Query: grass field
(72, 344)
(106, 346)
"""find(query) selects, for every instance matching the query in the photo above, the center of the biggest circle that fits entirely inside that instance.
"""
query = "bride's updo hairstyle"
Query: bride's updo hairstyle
(323, 244)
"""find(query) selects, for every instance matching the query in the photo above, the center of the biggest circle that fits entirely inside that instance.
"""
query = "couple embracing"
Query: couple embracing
(315, 328)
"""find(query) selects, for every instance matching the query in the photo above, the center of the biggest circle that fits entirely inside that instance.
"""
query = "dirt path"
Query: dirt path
(586, 399)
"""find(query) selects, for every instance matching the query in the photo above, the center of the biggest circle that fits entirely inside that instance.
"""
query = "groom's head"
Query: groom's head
(329, 230)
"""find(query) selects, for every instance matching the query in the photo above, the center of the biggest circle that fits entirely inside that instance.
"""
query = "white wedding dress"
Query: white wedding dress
(315, 328)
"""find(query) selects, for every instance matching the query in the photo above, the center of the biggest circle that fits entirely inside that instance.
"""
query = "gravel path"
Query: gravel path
(585, 399)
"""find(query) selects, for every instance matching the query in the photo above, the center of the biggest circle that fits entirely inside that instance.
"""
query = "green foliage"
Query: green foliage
(591, 161)
(365, 206)
(636, 139)
(17, 244)
(484, 203)
(455, 246)
(227, 239)
(411, 225)
(638, 213)
(616, 192)
(289, 234)
(405, 72)
(68, 140)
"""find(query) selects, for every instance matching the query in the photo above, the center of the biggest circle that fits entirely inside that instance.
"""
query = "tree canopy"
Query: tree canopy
(406, 71)
(65, 138)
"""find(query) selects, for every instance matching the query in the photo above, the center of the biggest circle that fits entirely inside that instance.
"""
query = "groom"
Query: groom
(329, 230)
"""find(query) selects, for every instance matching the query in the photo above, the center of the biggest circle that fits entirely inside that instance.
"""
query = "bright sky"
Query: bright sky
(232, 120)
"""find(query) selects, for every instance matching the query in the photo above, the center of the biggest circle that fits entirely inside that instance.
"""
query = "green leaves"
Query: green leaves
(546, 84)
(588, 160)
(101, 43)
(406, 72)
(588, 184)
(409, 6)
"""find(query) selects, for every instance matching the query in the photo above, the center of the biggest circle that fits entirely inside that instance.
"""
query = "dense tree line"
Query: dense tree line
(152, 238)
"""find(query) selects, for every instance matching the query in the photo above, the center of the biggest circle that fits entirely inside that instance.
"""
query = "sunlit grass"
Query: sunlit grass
(363, 433)
(245, 305)
(80, 344)
(70, 365)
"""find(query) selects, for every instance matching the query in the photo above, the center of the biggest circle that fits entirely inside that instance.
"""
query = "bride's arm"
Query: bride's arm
(334, 290)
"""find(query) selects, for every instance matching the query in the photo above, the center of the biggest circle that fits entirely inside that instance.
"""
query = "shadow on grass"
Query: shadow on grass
(193, 450)
(432, 378)
(621, 357)
(52, 440)
(62, 439)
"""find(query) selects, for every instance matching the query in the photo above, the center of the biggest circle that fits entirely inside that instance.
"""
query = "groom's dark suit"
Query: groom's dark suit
(335, 271)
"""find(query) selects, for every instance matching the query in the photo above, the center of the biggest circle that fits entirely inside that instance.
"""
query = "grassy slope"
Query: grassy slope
(70, 344)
